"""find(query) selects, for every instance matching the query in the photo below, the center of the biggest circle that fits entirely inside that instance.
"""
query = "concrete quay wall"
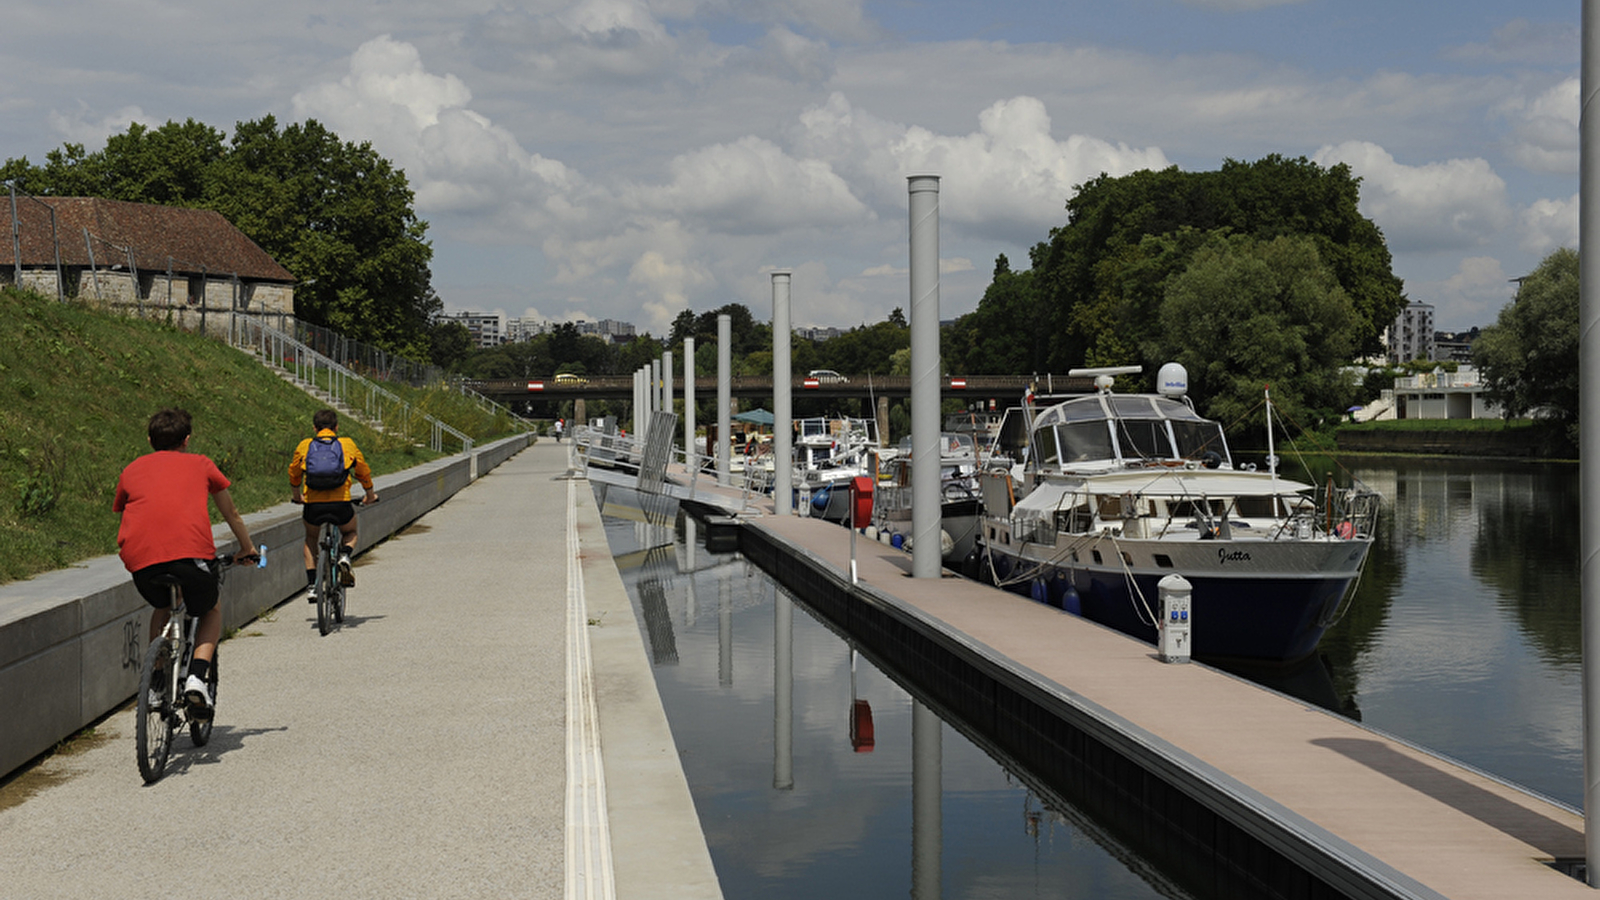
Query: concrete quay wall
(72, 641)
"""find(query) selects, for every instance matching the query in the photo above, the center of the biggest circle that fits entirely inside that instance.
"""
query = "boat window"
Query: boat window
(1196, 438)
(1144, 438)
(1045, 438)
(1189, 509)
(1255, 507)
(1082, 441)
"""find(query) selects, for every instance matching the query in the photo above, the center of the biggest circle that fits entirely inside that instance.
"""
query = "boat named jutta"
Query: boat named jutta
(1114, 492)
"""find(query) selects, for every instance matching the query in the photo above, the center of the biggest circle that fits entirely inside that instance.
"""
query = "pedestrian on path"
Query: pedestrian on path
(559, 427)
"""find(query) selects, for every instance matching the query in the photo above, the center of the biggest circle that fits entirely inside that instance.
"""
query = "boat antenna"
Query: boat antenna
(1272, 456)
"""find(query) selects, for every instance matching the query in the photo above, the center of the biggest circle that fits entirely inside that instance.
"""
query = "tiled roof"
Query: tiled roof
(195, 240)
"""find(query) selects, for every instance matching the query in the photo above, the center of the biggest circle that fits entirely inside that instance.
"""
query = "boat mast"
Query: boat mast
(1272, 456)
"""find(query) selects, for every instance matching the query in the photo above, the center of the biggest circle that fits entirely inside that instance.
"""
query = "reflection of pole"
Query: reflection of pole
(1589, 433)
(690, 527)
(782, 691)
(925, 388)
(927, 790)
(782, 428)
(724, 630)
(724, 398)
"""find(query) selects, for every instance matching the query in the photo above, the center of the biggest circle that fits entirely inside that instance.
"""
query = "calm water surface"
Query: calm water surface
(1463, 637)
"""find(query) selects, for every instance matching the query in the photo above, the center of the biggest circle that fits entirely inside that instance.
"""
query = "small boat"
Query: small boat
(828, 452)
(1117, 491)
(959, 507)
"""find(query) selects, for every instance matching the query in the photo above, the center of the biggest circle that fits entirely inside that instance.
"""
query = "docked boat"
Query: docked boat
(959, 508)
(1117, 491)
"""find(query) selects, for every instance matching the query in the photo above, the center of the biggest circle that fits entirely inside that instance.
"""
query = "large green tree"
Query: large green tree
(1247, 313)
(1098, 283)
(336, 214)
(1529, 357)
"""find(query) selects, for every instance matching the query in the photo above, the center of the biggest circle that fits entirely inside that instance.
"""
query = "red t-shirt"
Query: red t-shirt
(162, 497)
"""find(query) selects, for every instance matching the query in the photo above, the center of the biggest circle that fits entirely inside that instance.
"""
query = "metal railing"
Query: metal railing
(375, 405)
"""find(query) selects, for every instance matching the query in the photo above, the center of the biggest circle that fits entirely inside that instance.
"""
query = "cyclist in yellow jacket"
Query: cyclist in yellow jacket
(330, 504)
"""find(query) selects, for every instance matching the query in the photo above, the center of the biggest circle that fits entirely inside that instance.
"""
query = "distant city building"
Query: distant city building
(819, 334)
(484, 327)
(1454, 346)
(1411, 335)
(525, 328)
(609, 330)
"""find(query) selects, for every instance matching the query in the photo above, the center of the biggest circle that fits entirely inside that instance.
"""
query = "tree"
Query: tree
(334, 213)
(1529, 357)
(450, 344)
(1247, 313)
(1098, 283)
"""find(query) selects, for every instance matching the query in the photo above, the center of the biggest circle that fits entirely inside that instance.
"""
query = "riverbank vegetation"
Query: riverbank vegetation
(78, 387)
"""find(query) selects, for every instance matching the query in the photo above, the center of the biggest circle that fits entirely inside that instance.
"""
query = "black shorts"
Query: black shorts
(196, 578)
(338, 512)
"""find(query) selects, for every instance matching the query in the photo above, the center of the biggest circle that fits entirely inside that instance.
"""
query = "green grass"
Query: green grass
(77, 387)
(1442, 425)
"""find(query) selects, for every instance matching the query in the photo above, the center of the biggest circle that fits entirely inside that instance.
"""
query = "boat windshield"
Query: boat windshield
(1083, 430)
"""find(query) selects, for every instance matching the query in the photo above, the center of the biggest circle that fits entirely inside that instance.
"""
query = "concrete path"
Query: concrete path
(422, 750)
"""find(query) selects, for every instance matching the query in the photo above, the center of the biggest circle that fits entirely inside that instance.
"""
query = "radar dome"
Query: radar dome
(1172, 380)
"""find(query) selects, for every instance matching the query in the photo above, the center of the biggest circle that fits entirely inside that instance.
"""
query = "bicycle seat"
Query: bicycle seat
(166, 579)
(324, 518)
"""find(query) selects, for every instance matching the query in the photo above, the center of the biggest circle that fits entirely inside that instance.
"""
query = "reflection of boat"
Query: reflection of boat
(1122, 490)
(958, 496)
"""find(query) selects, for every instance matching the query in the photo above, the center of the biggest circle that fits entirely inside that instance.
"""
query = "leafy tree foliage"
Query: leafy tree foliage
(334, 213)
(1529, 357)
(1096, 286)
(1247, 313)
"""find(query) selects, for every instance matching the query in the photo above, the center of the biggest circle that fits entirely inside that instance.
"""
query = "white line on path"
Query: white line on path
(589, 872)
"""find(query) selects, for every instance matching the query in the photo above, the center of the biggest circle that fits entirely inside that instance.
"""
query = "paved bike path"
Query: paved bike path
(418, 751)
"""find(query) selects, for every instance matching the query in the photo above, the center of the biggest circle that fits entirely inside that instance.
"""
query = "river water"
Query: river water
(1462, 636)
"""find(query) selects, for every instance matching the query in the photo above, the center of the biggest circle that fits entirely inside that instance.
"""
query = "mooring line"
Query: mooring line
(589, 871)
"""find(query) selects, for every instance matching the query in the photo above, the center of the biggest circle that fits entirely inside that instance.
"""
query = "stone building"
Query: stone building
(161, 260)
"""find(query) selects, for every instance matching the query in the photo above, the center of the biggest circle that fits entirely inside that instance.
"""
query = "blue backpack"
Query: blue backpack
(325, 466)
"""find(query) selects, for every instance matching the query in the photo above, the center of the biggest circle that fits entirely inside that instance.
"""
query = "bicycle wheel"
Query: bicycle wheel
(154, 724)
(200, 729)
(339, 595)
(327, 578)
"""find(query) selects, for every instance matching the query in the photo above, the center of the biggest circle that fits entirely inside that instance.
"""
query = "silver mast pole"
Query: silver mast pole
(1589, 428)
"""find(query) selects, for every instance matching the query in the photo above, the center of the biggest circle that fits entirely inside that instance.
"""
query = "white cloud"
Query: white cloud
(1453, 204)
(80, 126)
(1546, 129)
(1471, 295)
(1549, 224)
(753, 186)
(457, 160)
(1523, 41)
(1010, 179)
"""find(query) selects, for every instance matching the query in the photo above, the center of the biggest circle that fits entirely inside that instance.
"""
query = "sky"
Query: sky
(631, 159)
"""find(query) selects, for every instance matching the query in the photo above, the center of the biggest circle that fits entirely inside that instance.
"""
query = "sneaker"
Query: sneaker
(198, 698)
(156, 698)
(311, 592)
(346, 577)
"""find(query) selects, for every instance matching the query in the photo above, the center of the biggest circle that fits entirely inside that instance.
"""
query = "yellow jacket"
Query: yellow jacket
(360, 471)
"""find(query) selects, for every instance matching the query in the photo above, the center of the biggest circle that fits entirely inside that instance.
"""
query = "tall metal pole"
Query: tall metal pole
(1589, 427)
(724, 398)
(688, 401)
(926, 555)
(655, 387)
(666, 382)
(782, 428)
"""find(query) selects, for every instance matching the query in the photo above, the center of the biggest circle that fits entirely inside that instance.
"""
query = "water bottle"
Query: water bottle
(261, 551)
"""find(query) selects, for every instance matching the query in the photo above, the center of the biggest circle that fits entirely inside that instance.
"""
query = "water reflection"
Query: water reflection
(1464, 632)
(815, 773)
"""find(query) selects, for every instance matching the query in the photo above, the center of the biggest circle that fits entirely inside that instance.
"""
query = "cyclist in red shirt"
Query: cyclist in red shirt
(166, 529)
(334, 504)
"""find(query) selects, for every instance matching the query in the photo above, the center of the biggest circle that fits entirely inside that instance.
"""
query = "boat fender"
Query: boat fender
(972, 566)
(884, 536)
(871, 531)
(1039, 591)
(1070, 601)
(1345, 530)
(897, 541)
(947, 544)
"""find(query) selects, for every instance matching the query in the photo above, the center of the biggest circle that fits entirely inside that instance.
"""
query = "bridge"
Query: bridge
(620, 387)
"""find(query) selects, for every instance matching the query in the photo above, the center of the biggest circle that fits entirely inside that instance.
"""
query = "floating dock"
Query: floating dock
(1248, 792)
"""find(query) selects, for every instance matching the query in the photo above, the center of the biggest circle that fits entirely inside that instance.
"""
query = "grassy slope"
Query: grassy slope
(77, 387)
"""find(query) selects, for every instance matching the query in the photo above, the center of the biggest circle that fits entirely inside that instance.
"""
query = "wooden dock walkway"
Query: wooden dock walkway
(1409, 822)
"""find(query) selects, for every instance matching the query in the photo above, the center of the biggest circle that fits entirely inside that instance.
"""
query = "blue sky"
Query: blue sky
(629, 159)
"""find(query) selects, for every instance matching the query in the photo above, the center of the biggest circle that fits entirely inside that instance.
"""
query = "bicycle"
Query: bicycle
(328, 591)
(162, 706)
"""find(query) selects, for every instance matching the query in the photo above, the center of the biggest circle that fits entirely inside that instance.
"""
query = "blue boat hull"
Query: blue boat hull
(1275, 620)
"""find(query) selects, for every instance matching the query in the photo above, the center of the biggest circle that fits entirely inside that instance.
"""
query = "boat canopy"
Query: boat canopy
(1127, 428)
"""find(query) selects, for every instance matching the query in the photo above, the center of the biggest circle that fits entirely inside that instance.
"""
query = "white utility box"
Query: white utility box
(1172, 638)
